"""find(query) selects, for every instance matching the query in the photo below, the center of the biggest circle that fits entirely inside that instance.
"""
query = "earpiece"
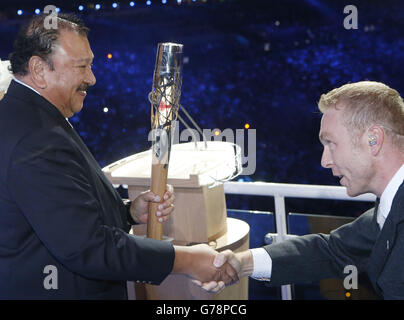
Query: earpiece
(372, 140)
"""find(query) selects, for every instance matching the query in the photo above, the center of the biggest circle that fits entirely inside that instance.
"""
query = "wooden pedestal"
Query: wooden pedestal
(200, 209)
(199, 215)
(177, 287)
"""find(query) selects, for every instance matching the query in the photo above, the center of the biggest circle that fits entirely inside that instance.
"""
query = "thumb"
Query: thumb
(223, 257)
(220, 260)
(150, 197)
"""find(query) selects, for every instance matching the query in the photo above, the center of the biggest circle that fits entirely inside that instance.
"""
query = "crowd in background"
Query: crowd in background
(265, 65)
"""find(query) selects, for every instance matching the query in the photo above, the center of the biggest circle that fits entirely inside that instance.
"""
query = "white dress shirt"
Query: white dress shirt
(386, 200)
(263, 262)
(24, 84)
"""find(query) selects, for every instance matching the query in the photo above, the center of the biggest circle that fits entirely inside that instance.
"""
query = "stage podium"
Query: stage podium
(200, 216)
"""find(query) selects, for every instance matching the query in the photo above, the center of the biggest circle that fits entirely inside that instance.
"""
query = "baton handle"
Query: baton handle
(158, 187)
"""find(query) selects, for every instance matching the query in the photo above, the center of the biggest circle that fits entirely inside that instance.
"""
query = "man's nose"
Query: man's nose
(326, 159)
(91, 80)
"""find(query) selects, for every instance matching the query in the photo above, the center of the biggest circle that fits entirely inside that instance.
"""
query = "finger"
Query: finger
(164, 215)
(220, 260)
(219, 287)
(150, 196)
(226, 256)
(166, 208)
(228, 274)
(168, 199)
(165, 211)
(232, 273)
(226, 278)
(211, 286)
(163, 219)
(169, 192)
(197, 282)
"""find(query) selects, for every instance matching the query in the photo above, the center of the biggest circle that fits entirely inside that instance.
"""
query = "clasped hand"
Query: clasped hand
(210, 270)
(238, 265)
(139, 207)
(198, 263)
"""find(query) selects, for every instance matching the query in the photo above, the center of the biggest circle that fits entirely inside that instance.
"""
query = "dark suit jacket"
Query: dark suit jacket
(58, 209)
(379, 253)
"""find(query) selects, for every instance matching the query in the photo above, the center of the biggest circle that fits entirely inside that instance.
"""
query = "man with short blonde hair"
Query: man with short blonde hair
(362, 134)
(368, 103)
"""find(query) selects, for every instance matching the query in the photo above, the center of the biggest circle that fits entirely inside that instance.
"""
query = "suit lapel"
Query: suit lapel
(385, 242)
(30, 98)
(83, 148)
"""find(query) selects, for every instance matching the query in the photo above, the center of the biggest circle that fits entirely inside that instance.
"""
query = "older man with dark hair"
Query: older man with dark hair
(59, 214)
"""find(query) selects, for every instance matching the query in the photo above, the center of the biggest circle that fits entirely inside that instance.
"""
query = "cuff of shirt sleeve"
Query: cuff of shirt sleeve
(127, 203)
(262, 264)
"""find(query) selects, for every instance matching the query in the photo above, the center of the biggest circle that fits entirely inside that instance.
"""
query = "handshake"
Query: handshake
(210, 270)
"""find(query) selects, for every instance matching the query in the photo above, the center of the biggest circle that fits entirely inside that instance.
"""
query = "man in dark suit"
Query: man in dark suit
(63, 227)
(362, 131)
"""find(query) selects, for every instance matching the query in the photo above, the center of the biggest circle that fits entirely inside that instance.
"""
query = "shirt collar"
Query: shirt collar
(386, 200)
(24, 84)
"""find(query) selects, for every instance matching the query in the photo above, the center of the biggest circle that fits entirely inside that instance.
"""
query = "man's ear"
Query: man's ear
(375, 136)
(37, 66)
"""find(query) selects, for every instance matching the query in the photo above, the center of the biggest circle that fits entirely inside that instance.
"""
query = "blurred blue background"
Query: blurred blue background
(264, 63)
